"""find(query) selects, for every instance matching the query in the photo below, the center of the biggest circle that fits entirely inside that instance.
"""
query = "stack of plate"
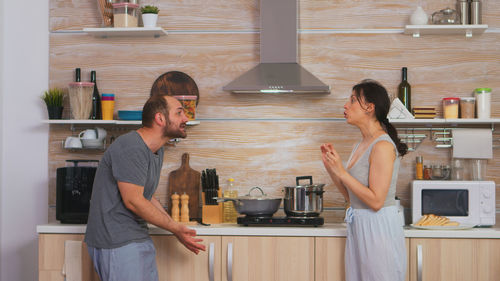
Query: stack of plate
(424, 112)
(130, 114)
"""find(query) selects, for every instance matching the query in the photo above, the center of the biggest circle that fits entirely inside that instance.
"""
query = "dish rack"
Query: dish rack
(106, 10)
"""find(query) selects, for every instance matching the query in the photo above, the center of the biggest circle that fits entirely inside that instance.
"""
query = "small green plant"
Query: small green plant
(149, 9)
(53, 97)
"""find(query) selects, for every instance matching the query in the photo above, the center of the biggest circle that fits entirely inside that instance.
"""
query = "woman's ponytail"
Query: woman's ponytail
(374, 92)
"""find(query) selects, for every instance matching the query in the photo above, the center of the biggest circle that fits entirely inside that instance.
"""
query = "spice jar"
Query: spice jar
(419, 172)
(437, 172)
(483, 102)
(467, 105)
(427, 172)
(450, 108)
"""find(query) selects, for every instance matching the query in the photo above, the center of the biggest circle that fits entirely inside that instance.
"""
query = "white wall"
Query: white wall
(23, 137)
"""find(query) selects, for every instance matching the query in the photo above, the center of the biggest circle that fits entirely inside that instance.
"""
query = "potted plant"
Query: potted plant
(53, 99)
(149, 15)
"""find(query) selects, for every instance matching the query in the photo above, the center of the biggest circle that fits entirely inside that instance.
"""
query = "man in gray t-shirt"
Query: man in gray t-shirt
(122, 197)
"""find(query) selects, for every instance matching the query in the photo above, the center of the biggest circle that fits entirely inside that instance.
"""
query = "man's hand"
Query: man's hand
(188, 238)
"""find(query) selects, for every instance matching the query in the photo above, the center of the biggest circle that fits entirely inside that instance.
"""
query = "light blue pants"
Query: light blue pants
(375, 246)
(133, 262)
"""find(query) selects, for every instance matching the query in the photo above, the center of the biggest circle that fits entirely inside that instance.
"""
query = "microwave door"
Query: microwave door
(445, 202)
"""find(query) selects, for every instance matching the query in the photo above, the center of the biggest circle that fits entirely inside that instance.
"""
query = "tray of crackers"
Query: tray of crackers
(435, 222)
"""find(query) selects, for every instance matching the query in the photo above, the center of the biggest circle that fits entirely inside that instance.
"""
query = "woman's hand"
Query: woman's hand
(332, 161)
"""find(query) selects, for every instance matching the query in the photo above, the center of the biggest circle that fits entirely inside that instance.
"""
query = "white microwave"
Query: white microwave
(466, 202)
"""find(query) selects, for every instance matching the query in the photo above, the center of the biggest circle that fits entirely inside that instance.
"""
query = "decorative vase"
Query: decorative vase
(419, 17)
(55, 112)
(149, 20)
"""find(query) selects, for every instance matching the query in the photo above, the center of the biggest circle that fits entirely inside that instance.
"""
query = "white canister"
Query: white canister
(483, 102)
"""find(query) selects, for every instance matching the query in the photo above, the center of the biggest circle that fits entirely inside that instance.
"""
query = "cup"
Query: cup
(478, 168)
(101, 133)
(72, 142)
(89, 134)
(107, 106)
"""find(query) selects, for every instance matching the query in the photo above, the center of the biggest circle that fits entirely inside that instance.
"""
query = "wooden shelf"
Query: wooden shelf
(105, 122)
(432, 29)
(440, 121)
(125, 32)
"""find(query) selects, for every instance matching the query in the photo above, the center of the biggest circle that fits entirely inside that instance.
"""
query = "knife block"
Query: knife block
(211, 214)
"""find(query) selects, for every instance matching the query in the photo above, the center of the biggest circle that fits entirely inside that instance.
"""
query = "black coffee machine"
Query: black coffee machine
(74, 189)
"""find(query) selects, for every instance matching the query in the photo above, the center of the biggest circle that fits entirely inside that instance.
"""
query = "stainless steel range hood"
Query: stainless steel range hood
(278, 71)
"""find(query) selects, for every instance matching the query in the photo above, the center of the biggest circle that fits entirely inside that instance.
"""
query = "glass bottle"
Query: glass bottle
(96, 99)
(404, 90)
(77, 75)
(229, 212)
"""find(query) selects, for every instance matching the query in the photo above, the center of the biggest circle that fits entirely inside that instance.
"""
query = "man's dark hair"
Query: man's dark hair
(154, 104)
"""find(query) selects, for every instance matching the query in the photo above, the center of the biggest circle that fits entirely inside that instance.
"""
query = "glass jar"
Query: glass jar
(437, 172)
(483, 102)
(467, 105)
(427, 172)
(125, 15)
(189, 105)
(450, 108)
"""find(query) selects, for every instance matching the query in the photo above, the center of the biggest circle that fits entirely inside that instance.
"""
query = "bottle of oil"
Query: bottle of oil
(229, 212)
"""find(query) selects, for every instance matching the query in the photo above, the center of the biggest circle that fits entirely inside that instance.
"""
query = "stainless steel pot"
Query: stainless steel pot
(304, 200)
(251, 205)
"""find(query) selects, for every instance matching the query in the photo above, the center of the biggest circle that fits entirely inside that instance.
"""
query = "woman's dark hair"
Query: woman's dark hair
(373, 92)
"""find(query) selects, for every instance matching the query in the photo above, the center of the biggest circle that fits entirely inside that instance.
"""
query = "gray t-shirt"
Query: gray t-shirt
(110, 223)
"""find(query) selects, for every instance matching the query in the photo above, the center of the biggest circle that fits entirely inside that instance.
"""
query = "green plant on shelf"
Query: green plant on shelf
(149, 9)
(53, 97)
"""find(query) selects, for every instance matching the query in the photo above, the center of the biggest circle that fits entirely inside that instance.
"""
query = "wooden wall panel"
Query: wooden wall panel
(129, 66)
(271, 153)
(245, 14)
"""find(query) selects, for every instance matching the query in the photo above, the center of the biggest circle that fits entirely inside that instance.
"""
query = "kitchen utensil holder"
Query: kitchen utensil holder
(211, 214)
(440, 136)
(106, 9)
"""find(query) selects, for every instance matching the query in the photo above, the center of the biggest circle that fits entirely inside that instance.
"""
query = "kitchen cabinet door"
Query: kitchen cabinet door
(176, 262)
(454, 259)
(51, 257)
(330, 258)
(257, 258)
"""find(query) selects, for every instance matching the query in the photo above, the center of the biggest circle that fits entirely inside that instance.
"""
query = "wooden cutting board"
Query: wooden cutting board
(185, 180)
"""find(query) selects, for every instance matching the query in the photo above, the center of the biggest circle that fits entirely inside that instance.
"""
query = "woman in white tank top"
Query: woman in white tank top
(375, 246)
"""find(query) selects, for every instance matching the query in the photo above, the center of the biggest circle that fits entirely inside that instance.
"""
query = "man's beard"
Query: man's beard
(173, 133)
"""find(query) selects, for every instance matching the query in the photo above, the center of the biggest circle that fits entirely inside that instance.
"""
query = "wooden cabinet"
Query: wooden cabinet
(454, 259)
(257, 258)
(51, 257)
(274, 258)
(176, 262)
(329, 256)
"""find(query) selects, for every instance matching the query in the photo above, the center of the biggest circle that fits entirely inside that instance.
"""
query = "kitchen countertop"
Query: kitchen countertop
(327, 230)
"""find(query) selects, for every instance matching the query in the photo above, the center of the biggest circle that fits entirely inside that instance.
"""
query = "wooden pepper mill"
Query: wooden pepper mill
(184, 208)
(175, 206)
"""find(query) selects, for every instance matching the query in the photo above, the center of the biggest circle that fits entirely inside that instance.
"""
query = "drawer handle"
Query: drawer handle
(419, 262)
(211, 258)
(229, 261)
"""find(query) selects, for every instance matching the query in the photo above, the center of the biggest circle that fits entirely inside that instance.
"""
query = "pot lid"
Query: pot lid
(261, 196)
(310, 185)
(313, 186)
